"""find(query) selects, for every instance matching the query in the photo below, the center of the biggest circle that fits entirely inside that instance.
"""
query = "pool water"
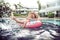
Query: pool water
(11, 30)
(54, 21)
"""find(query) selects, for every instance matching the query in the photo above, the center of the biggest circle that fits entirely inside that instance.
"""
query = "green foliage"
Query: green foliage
(50, 15)
(20, 15)
(16, 14)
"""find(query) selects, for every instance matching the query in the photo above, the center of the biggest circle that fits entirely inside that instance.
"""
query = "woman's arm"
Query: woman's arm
(14, 18)
(17, 20)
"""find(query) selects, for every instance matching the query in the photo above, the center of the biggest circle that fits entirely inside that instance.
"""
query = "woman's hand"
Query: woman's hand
(13, 17)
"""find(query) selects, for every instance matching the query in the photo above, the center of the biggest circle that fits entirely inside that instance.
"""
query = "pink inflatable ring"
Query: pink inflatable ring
(33, 24)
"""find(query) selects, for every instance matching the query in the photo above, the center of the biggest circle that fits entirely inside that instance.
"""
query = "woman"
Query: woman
(32, 21)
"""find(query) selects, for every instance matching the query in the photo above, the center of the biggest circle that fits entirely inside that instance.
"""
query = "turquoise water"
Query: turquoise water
(54, 21)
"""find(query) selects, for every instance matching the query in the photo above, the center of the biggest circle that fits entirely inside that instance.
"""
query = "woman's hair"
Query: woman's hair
(33, 13)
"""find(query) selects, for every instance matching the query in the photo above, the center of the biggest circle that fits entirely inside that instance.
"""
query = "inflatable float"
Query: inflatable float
(33, 24)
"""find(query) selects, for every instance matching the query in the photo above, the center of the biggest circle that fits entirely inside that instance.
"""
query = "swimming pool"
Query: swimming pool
(54, 21)
(15, 32)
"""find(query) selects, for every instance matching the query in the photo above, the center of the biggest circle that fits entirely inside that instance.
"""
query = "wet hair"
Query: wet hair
(35, 16)
(33, 13)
